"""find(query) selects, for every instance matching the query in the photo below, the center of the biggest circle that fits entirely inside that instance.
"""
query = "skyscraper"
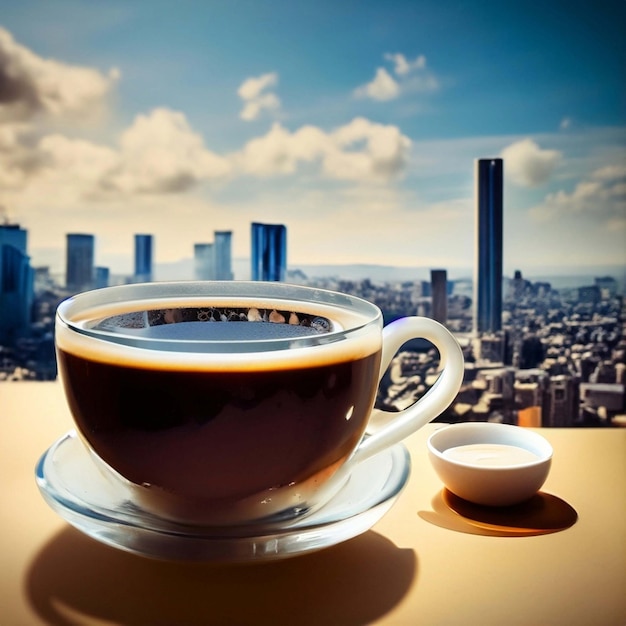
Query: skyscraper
(16, 283)
(79, 272)
(488, 263)
(223, 255)
(269, 251)
(101, 277)
(439, 290)
(144, 253)
(204, 266)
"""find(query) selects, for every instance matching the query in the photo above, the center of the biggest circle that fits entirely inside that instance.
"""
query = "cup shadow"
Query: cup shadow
(74, 578)
(540, 515)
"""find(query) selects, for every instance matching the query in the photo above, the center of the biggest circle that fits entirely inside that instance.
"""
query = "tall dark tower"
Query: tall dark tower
(269, 251)
(488, 265)
(439, 290)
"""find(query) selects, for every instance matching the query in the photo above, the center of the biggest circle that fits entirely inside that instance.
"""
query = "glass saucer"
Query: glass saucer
(73, 486)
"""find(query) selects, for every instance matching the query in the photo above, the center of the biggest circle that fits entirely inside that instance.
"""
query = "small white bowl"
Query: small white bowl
(490, 464)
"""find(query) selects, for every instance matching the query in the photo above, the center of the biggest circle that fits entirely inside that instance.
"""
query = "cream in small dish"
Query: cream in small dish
(490, 464)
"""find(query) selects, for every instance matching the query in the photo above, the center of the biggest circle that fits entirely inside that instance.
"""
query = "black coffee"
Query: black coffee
(221, 432)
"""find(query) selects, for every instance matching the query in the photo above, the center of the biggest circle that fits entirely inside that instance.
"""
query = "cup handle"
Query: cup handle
(387, 428)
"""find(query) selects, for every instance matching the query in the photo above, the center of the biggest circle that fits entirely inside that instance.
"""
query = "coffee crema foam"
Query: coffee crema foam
(162, 328)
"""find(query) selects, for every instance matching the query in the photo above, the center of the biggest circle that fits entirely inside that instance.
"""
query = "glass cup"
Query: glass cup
(231, 402)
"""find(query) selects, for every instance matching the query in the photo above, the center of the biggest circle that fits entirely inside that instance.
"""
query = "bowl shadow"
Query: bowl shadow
(542, 514)
(75, 579)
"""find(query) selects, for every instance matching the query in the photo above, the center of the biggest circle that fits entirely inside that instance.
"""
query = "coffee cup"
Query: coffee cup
(231, 402)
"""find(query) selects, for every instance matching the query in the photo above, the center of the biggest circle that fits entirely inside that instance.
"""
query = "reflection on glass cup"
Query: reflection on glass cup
(232, 402)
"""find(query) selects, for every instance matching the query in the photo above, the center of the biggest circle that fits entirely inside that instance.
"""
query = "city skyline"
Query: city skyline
(187, 268)
(356, 125)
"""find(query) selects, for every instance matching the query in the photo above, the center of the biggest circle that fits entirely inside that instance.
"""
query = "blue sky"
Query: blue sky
(354, 123)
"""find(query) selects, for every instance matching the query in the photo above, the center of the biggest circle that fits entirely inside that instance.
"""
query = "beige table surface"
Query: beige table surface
(421, 564)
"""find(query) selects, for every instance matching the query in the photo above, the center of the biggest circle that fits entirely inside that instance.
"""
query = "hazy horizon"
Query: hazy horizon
(183, 269)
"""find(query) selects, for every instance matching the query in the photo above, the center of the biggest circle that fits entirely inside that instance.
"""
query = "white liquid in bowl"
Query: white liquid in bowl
(490, 455)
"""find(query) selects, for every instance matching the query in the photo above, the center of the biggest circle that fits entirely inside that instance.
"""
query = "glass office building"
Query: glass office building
(488, 250)
(16, 284)
(144, 253)
(79, 269)
(269, 252)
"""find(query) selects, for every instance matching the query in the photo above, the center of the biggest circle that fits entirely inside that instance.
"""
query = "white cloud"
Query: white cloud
(256, 98)
(18, 160)
(269, 155)
(601, 198)
(81, 164)
(359, 151)
(252, 87)
(529, 165)
(402, 66)
(367, 149)
(158, 154)
(610, 172)
(382, 87)
(254, 108)
(33, 85)
(411, 77)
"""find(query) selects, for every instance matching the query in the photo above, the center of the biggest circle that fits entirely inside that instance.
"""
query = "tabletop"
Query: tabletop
(432, 559)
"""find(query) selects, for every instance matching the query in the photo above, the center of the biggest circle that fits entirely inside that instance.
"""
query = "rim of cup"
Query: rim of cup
(351, 315)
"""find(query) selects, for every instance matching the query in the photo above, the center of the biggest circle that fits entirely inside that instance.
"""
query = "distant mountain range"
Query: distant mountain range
(183, 269)
(559, 277)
